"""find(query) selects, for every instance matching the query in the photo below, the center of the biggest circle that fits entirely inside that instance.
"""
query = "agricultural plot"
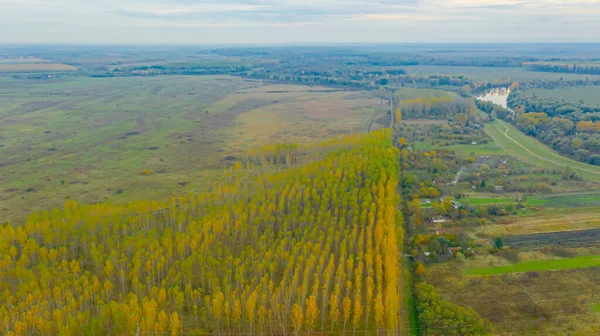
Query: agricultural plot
(577, 238)
(88, 139)
(539, 265)
(489, 200)
(548, 220)
(566, 200)
(302, 115)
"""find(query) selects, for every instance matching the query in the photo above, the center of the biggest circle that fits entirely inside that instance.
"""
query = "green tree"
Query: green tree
(499, 243)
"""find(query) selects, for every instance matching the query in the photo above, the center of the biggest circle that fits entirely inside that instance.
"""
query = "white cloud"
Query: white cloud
(297, 20)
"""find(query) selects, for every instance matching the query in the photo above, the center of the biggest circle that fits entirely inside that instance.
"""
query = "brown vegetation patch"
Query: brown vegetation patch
(26, 67)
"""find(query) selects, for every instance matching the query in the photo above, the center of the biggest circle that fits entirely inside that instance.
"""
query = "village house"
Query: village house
(438, 219)
(455, 204)
(452, 251)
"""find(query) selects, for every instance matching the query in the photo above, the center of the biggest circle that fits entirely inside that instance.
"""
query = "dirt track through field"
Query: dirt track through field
(543, 158)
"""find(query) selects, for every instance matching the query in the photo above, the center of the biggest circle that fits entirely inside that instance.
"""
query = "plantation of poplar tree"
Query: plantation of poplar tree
(294, 239)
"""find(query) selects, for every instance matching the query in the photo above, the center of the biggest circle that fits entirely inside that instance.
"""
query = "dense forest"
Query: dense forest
(295, 239)
(570, 127)
(437, 108)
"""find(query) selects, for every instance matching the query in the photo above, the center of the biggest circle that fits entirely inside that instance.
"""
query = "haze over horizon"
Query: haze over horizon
(296, 21)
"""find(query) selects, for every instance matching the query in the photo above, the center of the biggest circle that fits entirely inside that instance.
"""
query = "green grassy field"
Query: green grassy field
(589, 94)
(539, 265)
(534, 152)
(88, 139)
(479, 149)
(596, 307)
(406, 93)
(567, 200)
(489, 200)
(491, 73)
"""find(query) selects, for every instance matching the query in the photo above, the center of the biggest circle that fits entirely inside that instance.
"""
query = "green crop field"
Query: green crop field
(491, 73)
(589, 94)
(88, 139)
(539, 265)
(566, 200)
(534, 152)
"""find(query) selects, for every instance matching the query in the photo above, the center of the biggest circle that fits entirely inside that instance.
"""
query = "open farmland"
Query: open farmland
(549, 220)
(577, 238)
(302, 115)
(35, 67)
(89, 139)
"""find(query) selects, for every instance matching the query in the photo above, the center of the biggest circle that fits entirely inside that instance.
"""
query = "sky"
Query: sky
(297, 21)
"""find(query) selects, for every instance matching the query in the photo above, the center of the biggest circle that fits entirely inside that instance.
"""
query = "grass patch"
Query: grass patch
(567, 200)
(479, 149)
(534, 152)
(539, 265)
(406, 93)
(489, 200)
(596, 307)
(88, 139)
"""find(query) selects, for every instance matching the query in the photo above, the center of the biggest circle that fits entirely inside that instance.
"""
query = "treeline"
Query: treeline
(309, 245)
(580, 68)
(572, 109)
(314, 72)
(494, 110)
(373, 57)
(443, 107)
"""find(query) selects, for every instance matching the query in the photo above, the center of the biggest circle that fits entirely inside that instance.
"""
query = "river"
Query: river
(498, 96)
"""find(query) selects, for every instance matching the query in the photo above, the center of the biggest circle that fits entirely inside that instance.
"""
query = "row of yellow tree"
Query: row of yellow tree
(296, 240)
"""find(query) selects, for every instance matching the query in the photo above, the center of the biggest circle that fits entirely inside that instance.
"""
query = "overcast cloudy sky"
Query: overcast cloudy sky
(298, 21)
